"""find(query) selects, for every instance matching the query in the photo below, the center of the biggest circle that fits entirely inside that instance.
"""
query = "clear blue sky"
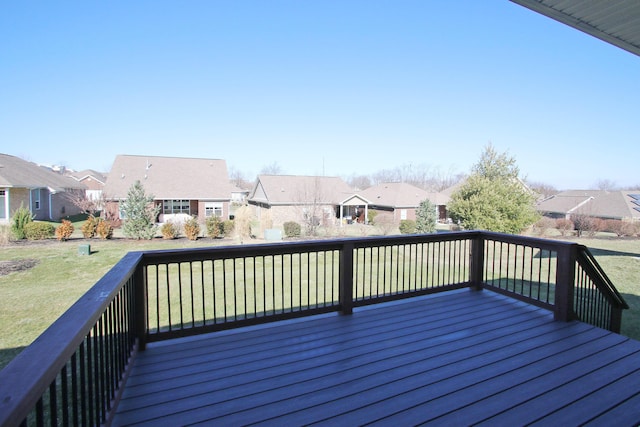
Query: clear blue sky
(335, 87)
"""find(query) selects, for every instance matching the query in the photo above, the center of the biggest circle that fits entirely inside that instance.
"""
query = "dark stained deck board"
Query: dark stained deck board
(456, 358)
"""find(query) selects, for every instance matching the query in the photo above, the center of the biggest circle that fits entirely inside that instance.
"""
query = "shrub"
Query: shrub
(407, 226)
(64, 230)
(292, 229)
(371, 216)
(215, 227)
(191, 228)
(38, 230)
(89, 227)
(5, 234)
(586, 224)
(104, 229)
(227, 227)
(385, 223)
(21, 217)
(169, 230)
(564, 226)
(543, 225)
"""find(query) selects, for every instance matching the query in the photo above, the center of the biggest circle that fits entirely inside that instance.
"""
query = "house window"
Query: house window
(403, 214)
(35, 197)
(213, 209)
(176, 207)
(3, 201)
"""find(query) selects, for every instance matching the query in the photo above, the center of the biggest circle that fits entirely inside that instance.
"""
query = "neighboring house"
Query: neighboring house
(94, 182)
(623, 205)
(47, 194)
(181, 186)
(401, 199)
(282, 198)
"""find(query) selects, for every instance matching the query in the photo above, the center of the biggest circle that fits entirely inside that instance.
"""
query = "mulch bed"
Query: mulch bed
(7, 267)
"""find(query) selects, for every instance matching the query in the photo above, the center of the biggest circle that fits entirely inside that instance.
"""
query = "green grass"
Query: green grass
(33, 299)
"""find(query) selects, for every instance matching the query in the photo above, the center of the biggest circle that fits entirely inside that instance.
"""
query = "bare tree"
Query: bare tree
(85, 204)
(606, 185)
(311, 200)
(543, 189)
(387, 175)
(272, 169)
(239, 179)
(359, 182)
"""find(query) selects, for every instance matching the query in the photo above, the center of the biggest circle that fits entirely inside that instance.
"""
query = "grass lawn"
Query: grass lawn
(31, 300)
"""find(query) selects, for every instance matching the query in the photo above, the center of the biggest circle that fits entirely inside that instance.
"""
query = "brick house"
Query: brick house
(181, 186)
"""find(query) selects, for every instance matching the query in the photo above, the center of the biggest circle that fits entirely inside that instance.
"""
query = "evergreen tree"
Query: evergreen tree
(426, 217)
(494, 198)
(139, 213)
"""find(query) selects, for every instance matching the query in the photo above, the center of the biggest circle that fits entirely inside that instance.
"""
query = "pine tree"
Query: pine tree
(494, 198)
(426, 217)
(139, 213)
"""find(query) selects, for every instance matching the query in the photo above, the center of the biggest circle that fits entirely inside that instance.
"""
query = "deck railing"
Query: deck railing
(73, 373)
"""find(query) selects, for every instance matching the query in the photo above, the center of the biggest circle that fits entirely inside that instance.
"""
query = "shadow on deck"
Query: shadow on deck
(456, 358)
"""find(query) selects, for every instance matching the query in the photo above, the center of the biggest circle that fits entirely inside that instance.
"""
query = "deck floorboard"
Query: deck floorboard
(457, 358)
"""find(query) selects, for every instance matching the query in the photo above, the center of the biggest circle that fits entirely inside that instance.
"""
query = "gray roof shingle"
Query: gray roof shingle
(401, 195)
(296, 189)
(18, 173)
(170, 178)
(599, 203)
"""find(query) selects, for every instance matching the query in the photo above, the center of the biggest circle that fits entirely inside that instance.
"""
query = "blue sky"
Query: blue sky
(333, 87)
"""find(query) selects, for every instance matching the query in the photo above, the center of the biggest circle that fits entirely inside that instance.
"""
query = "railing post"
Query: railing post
(346, 279)
(477, 262)
(565, 282)
(140, 314)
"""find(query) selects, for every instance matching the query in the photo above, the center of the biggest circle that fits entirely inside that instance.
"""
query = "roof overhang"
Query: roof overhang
(613, 21)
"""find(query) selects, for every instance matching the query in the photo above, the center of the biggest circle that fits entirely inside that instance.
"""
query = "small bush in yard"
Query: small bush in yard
(292, 229)
(227, 227)
(191, 228)
(64, 230)
(371, 216)
(215, 227)
(169, 230)
(564, 226)
(38, 230)
(104, 229)
(407, 226)
(620, 228)
(5, 234)
(21, 217)
(89, 227)
(543, 225)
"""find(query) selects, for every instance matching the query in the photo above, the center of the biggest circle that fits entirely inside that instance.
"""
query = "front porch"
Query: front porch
(452, 328)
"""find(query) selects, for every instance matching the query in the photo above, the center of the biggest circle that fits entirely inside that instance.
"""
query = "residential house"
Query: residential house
(181, 186)
(401, 199)
(622, 205)
(94, 181)
(47, 194)
(282, 198)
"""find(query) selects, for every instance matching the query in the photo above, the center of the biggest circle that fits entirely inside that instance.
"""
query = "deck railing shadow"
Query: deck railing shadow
(75, 371)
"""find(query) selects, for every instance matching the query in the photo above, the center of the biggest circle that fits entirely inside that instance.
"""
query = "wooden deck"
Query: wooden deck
(457, 358)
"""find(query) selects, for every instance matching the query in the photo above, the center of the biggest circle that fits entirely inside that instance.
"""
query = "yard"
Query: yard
(40, 280)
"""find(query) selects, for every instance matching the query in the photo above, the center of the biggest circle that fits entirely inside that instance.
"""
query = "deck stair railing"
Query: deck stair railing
(74, 372)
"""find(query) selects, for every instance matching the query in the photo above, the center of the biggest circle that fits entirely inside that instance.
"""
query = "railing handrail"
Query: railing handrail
(23, 380)
(588, 262)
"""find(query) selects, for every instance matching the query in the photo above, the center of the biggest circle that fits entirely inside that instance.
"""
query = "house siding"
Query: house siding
(17, 197)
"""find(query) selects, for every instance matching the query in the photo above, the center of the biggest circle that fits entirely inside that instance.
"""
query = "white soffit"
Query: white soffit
(614, 21)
